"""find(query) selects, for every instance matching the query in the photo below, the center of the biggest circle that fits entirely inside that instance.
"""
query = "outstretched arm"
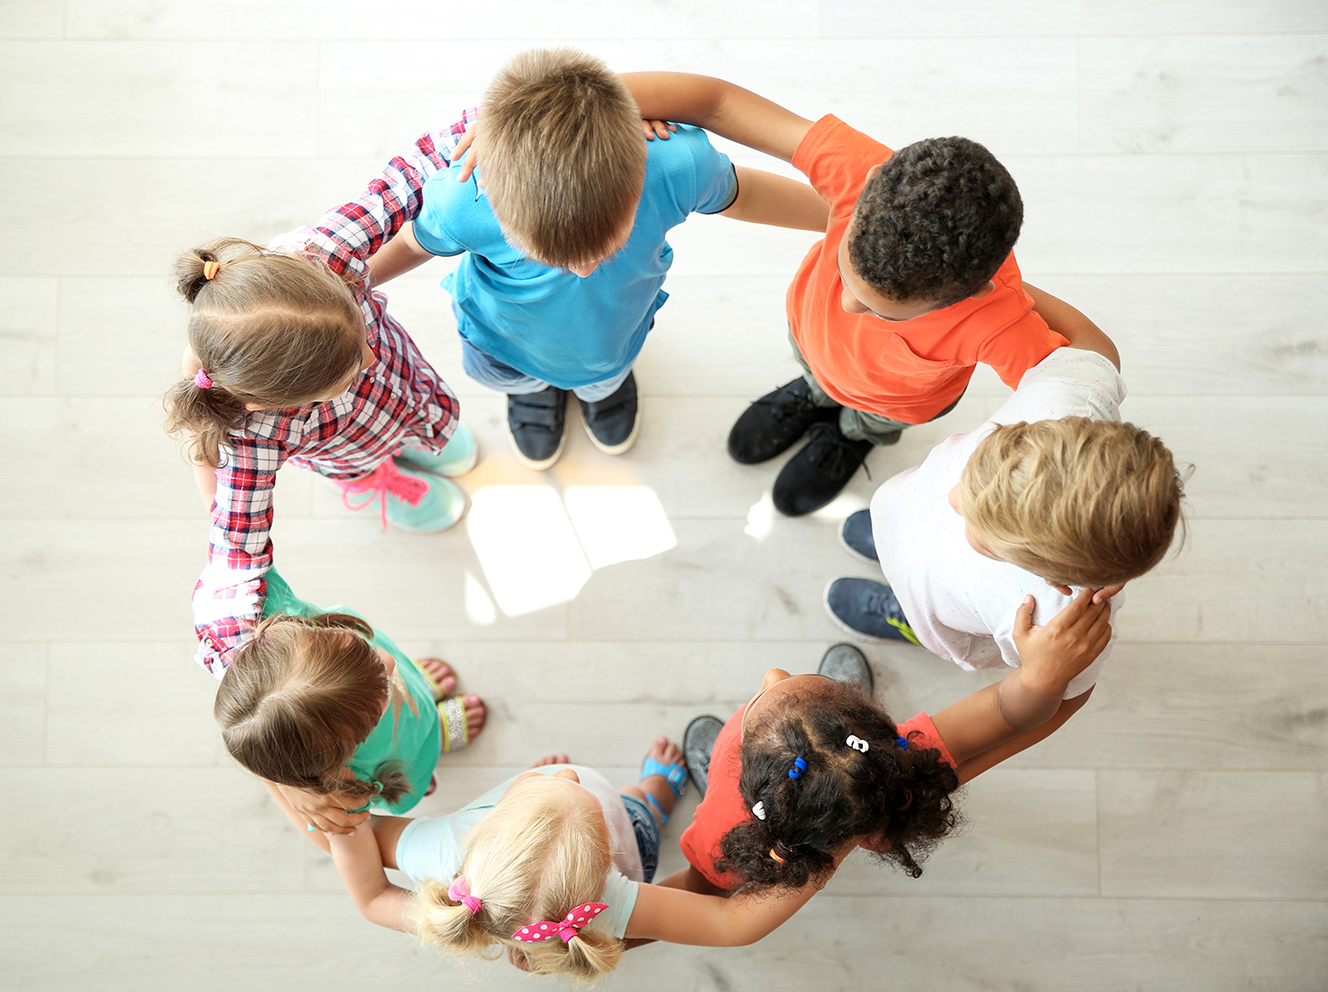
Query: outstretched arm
(764, 198)
(718, 106)
(671, 913)
(1072, 325)
(398, 256)
(1031, 695)
(361, 868)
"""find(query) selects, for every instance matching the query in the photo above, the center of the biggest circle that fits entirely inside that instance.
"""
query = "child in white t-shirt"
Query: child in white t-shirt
(1053, 492)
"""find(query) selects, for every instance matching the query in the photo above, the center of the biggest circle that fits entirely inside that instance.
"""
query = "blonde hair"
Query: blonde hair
(534, 858)
(299, 697)
(1077, 501)
(563, 155)
(269, 329)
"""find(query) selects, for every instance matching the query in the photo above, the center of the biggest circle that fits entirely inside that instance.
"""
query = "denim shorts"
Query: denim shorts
(647, 833)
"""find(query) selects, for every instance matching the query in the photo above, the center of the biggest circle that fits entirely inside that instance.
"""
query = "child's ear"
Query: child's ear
(873, 170)
(989, 288)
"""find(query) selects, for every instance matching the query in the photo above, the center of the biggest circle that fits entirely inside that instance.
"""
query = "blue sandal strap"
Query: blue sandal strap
(675, 774)
(663, 817)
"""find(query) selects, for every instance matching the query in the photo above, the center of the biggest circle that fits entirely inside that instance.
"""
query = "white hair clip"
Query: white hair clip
(758, 811)
(857, 743)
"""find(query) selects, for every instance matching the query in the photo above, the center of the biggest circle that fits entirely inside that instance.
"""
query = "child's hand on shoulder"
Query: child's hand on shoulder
(1055, 652)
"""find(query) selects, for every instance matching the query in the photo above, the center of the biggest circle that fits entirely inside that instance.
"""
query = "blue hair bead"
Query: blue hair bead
(799, 766)
(902, 742)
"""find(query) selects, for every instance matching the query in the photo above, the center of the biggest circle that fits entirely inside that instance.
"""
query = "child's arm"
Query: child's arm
(718, 106)
(1072, 325)
(308, 809)
(347, 236)
(1051, 655)
(665, 912)
(398, 256)
(360, 865)
(764, 198)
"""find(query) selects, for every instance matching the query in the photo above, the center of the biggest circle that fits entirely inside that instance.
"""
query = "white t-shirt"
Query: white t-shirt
(962, 604)
(435, 847)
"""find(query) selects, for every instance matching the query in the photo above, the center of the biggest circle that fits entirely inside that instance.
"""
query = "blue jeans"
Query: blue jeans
(488, 371)
(647, 833)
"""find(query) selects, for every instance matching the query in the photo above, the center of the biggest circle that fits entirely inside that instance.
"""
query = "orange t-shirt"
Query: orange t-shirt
(723, 807)
(907, 370)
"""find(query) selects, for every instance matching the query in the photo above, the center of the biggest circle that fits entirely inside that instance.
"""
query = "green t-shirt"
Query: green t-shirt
(408, 732)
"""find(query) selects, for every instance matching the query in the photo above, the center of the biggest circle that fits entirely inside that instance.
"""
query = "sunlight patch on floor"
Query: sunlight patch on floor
(537, 548)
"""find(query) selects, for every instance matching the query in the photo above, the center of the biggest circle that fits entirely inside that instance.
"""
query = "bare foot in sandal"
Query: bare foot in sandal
(663, 778)
(442, 674)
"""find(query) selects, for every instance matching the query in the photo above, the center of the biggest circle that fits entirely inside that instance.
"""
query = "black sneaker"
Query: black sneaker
(614, 422)
(775, 422)
(819, 472)
(698, 740)
(535, 423)
(856, 536)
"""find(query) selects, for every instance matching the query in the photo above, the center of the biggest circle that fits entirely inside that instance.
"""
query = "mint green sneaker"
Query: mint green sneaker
(458, 458)
(407, 499)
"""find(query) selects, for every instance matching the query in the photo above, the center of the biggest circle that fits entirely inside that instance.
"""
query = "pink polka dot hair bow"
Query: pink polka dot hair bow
(569, 927)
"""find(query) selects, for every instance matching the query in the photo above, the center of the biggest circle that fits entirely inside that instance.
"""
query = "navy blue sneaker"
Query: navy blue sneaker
(855, 534)
(614, 421)
(535, 424)
(868, 610)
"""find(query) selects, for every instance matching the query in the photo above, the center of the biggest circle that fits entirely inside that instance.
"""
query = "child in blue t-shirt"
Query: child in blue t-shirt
(563, 234)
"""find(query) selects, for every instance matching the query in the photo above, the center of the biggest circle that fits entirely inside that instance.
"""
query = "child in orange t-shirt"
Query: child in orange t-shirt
(912, 286)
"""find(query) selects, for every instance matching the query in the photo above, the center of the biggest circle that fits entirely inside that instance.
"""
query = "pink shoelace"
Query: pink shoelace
(383, 481)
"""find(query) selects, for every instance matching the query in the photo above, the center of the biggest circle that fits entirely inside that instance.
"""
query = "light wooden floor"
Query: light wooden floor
(1172, 158)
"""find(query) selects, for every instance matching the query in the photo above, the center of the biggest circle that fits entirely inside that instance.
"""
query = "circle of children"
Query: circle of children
(560, 216)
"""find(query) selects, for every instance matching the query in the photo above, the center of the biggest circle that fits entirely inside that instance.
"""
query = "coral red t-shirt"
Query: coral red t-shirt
(723, 807)
(906, 370)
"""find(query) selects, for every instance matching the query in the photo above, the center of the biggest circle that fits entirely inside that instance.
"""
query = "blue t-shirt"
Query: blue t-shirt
(552, 324)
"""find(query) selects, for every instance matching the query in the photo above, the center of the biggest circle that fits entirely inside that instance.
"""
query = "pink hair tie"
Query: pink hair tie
(566, 928)
(459, 891)
(201, 379)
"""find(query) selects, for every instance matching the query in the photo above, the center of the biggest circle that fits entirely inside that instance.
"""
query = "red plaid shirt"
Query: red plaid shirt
(401, 399)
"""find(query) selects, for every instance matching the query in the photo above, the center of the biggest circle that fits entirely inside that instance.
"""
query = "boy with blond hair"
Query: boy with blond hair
(1053, 492)
(913, 285)
(563, 235)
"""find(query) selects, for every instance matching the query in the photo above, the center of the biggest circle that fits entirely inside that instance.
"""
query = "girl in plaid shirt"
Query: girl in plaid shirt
(292, 357)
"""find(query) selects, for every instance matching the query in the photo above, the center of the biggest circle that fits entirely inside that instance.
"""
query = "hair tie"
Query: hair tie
(201, 379)
(758, 811)
(857, 743)
(777, 857)
(210, 270)
(781, 846)
(799, 766)
(566, 928)
(902, 742)
(459, 891)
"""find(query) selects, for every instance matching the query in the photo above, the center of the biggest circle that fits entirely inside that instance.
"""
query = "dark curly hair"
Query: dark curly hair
(936, 222)
(901, 795)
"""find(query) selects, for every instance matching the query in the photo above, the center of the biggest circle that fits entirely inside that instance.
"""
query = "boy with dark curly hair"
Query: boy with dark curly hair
(913, 285)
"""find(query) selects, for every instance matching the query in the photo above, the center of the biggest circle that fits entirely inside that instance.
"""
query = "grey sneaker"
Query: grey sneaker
(855, 534)
(698, 740)
(845, 663)
(868, 610)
